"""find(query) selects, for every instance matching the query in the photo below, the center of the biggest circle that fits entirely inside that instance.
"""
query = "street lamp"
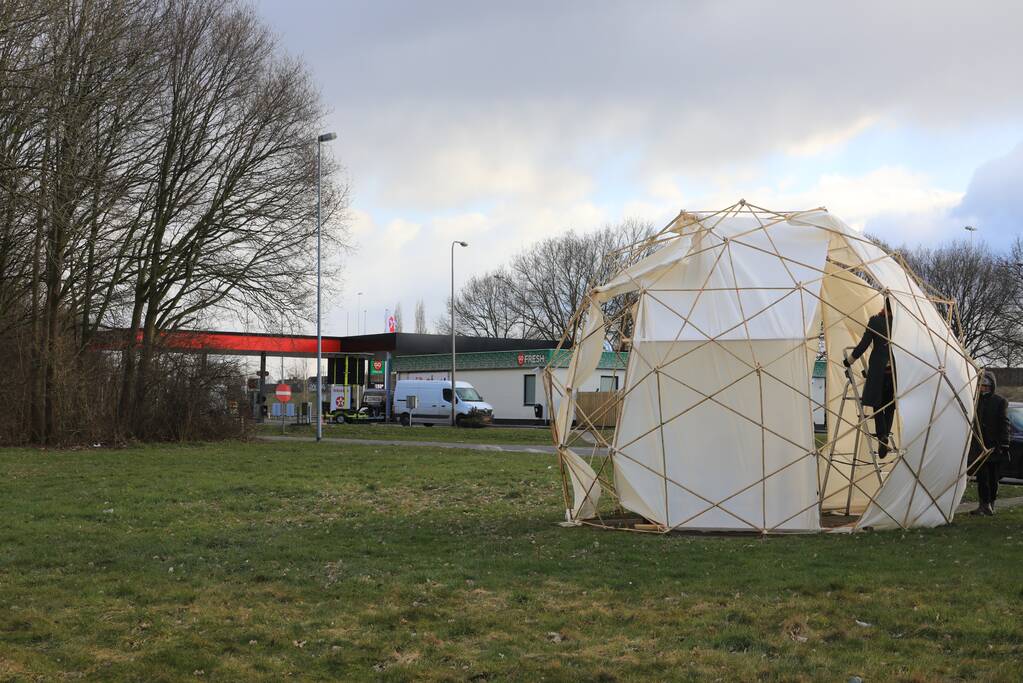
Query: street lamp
(454, 393)
(970, 229)
(358, 307)
(325, 137)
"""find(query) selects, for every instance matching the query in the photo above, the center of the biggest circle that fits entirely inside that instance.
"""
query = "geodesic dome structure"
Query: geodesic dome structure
(723, 315)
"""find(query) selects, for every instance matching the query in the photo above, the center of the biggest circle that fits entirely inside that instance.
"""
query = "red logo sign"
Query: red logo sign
(283, 393)
(521, 359)
(378, 365)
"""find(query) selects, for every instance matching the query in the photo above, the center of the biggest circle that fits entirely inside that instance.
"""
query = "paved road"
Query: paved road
(1000, 504)
(493, 448)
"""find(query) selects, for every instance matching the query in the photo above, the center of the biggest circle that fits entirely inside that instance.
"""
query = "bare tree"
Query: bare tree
(420, 317)
(157, 169)
(78, 82)
(536, 295)
(231, 210)
(986, 288)
(483, 307)
(1014, 265)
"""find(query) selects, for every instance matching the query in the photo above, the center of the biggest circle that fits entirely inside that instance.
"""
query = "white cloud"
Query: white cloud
(888, 192)
(891, 191)
(360, 224)
(412, 260)
(502, 124)
(826, 140)
(460, 227)
(398, 232)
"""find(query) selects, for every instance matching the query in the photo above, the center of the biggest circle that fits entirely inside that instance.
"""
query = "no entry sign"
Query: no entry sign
(283, 393)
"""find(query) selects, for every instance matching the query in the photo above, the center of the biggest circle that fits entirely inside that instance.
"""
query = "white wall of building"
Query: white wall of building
(503, 388)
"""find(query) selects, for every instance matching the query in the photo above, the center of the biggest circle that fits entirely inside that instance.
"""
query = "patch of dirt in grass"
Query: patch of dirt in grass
(796, 629)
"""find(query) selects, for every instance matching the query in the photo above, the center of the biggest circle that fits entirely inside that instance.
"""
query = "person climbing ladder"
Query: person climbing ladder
(879, 389)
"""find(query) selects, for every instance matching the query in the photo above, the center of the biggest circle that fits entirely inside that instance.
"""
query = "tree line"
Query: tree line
(987, 287)
(535, 295)
(158, 170)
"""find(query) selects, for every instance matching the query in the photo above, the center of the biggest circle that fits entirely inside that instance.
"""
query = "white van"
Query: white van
(433, 403)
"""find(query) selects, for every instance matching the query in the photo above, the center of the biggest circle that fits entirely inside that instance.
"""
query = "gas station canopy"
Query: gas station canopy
(304, 346)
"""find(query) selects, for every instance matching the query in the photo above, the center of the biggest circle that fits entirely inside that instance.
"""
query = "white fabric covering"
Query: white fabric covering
(716, 428)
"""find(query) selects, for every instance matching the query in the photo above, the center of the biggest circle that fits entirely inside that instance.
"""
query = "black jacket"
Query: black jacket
(875, 392)
(991, 423)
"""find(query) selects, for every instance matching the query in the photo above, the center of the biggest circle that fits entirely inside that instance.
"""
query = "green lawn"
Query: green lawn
(274, 560)
(394, 432)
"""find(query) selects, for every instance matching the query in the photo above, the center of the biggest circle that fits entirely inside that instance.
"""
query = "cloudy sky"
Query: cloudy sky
(503, 123)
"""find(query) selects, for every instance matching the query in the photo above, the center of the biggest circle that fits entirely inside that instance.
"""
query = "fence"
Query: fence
(1008, 377)
(600, 407)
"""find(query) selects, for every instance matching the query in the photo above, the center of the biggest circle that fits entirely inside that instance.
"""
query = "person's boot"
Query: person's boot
(979, 511)
(990, 509)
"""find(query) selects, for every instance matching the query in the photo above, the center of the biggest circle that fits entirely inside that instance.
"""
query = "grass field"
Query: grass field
(291, 560)
(438, 433)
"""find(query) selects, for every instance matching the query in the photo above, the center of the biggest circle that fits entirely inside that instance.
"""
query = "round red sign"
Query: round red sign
(378, 365)
(283, 393)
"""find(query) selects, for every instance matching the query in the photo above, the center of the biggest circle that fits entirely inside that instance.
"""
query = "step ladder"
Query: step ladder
(851, 392)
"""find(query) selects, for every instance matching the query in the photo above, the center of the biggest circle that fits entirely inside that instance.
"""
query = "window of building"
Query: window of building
(528, 390)
(609, 383)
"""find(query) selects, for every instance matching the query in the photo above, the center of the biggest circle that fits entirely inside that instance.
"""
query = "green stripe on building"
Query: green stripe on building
(503, 360)
(510, 360)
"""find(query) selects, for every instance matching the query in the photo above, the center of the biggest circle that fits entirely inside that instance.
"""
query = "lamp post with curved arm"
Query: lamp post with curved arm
(454, 393)
(325, 137)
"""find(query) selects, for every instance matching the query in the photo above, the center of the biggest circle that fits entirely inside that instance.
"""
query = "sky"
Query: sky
(502, 123)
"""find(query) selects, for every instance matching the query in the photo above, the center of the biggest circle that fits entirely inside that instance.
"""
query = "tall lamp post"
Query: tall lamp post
(454, 393)
(325, 137)
(358, 307)
(970, 229)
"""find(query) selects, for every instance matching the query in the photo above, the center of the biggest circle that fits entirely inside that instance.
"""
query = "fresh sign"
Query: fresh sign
(531, 359)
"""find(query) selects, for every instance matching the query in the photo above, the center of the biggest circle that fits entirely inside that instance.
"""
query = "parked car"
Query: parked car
(433, 403)
(1013, 471)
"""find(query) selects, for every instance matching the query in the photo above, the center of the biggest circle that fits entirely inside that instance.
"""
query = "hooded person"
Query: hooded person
(879, 389)
(990, 437)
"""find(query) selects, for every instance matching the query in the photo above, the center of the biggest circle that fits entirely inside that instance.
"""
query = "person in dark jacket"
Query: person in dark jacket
(879, 389)
(990, 431)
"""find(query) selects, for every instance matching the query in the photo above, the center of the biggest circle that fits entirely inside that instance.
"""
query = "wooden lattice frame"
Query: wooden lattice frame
(587, 440)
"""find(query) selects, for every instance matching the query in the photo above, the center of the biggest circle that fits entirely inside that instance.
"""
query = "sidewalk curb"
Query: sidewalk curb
(492, 448)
